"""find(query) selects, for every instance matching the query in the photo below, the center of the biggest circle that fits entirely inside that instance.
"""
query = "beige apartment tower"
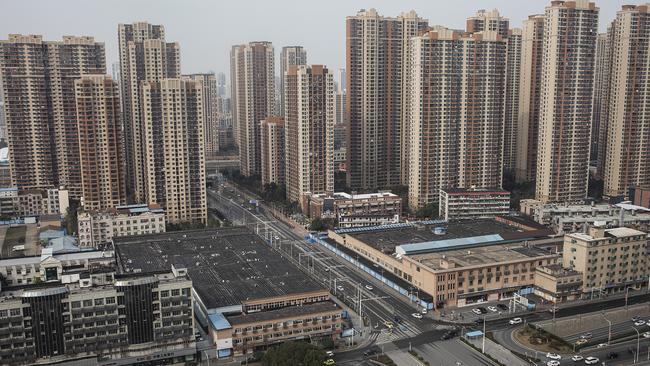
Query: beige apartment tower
(566, 101)
(511, 102)
(99, 124)
(309, 125)
(453, 142)
(290, 55)
(252, 79)
(272, 132)
(532, 42)
(210, 111)
(39, 96)
(144, 57)
(488, 20)
(174, 152)
(627, 158)
(375, 72)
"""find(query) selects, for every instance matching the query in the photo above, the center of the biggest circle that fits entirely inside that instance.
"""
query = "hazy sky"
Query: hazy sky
(206, 29)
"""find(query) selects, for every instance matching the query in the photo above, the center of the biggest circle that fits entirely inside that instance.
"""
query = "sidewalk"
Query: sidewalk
(498, 352)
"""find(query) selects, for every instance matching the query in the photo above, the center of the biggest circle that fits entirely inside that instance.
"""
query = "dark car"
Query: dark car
(502, 307)
(479, 321)
(449, 335)
(482, 310)
(370, 352)
(612, 355)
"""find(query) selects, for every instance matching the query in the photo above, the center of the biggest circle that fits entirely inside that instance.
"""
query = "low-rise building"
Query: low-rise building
(555, 283)
(565, 218)
(357, 210)
(610, 260)
(15, 203)
(458, 263)
(96, 228)
(247, 295)
(98, 316)
(473, 203)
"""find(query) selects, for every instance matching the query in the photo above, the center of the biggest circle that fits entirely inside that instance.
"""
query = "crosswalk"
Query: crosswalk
(383, 336)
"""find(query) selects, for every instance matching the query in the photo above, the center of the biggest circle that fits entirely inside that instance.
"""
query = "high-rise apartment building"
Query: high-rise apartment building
(375, 66)
(511, 103)
(453, 142)
(175, 157)
(144, 57)
(290, 55)
(38, 87)
(570, 31)
(529, 98)
(272, 136)
(309, 125)
(488, 20)
(342, 80)
(601, 96)
(101, 162)
(221, 84)
(210, 111)
(627, 160)
(252, 79)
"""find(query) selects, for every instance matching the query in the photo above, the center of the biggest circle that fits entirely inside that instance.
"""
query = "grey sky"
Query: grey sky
(206, 29)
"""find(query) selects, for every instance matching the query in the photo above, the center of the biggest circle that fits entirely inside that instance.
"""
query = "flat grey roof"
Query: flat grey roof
(294, 312)
(227, 265)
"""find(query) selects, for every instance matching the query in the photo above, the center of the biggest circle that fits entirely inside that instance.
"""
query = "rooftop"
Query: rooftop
(227, 265)
(293, 312)
(387, 239)
(475, 191)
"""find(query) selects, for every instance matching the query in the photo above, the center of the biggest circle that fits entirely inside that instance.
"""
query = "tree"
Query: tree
(430, 211)
(70, 219)
(322, 224)
(294, 353)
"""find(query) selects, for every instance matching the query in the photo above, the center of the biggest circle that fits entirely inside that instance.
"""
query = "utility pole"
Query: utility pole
(484, 334)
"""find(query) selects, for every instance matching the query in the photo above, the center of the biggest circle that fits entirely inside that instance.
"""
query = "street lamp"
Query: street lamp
(638, 341)
(609, 333)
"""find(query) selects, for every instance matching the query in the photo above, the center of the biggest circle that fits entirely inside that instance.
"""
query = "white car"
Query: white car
(476, 311)
(340, 288)
(553, 363)
(639, 323)
(417, 315)
(601, 345)
(591, 360)
(514, 321)
(493, 309)
(646, 335)
(369, 288)
(553, 356)
(577, 358)
(423, 311)
(330, 353)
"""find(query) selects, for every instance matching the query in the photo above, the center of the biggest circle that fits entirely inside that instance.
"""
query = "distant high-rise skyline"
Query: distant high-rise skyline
(289, 56)
(210, 111)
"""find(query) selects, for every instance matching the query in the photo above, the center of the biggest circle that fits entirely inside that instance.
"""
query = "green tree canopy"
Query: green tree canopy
(294, 354)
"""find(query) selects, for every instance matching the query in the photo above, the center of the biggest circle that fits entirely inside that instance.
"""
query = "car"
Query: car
(417, 315)
(423, 311)
(591, 360)
(586, 336)
(329, 362)
(388, 324)
(493, 309)
(369, 352)
(553, 363)
(553, 356)
(577, 358)
(449, 335)
(327, 269)
(502, 306)
(646, 335)
(581, 341)
(482, 310)
(340, 288)
(369, 288)
(612, 355)
(476, 311)
(639, 323)
(329, 353)
(635, 319)
(514, 321)
(601, 345)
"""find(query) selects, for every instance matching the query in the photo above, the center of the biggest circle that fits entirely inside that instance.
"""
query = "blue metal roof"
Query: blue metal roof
(473, 334)
(439, 245)
(218, 321)
(139, 209)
